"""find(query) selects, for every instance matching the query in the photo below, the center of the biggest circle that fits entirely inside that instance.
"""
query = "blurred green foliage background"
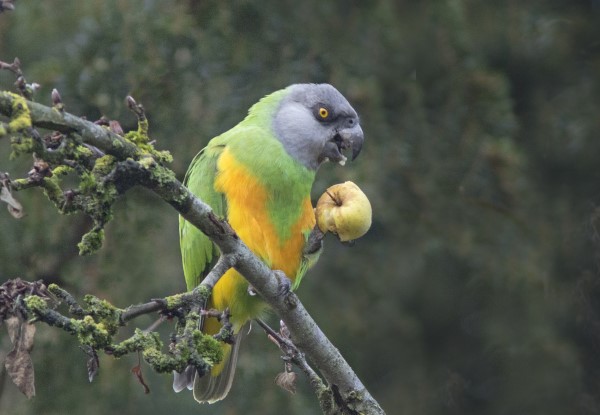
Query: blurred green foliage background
(476, 290)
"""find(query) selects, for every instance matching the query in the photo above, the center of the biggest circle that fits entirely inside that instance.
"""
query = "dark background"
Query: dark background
(476, 290)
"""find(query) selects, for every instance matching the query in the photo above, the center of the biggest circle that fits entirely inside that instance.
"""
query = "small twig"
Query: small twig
(137, 371)
(225, 334)
(293, 354)
(224, 263)
(14, 67)
(135, 311)
(269, 330)
(335, 199)
(96, 152)
(313, 378)
(155, 325)
(57, 101)
(137, 109)
(25, 89)
(74, 307)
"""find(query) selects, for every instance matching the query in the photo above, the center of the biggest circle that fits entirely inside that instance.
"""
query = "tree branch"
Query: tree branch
(139, 165)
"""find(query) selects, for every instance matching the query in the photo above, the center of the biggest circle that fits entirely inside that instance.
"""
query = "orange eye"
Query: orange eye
(323, 113)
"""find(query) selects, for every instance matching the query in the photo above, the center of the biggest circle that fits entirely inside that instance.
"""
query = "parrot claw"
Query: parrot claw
(314, 242)
(251, 291)
(285, 285)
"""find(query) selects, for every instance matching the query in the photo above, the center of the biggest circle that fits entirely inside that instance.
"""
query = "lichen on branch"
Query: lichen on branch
(58, 154)
(20, 117)
(96, 323)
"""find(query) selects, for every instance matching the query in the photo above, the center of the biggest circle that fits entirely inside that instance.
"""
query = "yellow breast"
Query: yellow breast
(247, 213)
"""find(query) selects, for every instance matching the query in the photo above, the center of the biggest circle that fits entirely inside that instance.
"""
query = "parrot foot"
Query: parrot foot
(284, 289)
(314, 242)
(283, 282)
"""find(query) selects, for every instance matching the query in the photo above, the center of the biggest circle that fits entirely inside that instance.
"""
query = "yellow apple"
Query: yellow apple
(344, 210)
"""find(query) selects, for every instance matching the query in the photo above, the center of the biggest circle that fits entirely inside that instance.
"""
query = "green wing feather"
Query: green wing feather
(198, 252)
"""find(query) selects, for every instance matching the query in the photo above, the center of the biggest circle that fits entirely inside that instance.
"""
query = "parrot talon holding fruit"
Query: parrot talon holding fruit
(314, 242)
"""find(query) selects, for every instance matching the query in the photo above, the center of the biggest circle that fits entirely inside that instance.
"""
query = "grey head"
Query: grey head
(315, 123)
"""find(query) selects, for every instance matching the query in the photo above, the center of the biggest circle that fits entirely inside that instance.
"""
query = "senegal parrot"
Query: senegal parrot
(258, 175)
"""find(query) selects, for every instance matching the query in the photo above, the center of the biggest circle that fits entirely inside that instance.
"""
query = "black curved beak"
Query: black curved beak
(357, 138)
(354, 138)
(344, 139)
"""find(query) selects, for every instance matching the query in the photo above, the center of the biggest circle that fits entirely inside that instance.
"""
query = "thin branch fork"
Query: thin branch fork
(224, 263)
